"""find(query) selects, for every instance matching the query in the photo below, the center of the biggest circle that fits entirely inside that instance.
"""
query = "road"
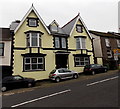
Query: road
(100, 91)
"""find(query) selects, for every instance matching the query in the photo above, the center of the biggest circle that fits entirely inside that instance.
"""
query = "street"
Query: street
(100, 91)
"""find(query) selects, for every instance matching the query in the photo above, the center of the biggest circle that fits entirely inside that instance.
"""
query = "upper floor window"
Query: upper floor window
(60, 42)
(33, 39)
(118, 43)
(32, 22)
(109, 53)
(79, 28)
(1, 49)
(107, 42)
(80, 43)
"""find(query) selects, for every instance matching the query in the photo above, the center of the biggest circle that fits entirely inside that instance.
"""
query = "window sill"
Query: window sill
(79, 65)
(33, 70)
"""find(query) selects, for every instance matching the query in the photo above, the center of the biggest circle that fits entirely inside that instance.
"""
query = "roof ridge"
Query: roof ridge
(70, 21)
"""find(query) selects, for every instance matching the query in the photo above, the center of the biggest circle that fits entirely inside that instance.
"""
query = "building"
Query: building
(5, 51)
(38, 49)
(105, 47)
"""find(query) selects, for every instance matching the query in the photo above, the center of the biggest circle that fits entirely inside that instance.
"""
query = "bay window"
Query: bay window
(80, 43)
(33, 39)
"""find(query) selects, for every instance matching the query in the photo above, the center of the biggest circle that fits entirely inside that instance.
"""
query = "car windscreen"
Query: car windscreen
(53, 71)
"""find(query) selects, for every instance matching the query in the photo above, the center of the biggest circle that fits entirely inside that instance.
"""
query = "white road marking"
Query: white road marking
(41, 98)
(102, 81)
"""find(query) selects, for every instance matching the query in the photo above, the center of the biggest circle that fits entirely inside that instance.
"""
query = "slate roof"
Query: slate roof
(69, 26)
(5, 34)
(104, 34)
(59, 31)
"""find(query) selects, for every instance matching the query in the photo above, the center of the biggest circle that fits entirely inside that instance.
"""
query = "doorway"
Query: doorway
(61, 60)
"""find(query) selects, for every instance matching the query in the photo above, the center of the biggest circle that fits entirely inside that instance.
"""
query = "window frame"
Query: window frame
(29, 38)
(107, 42)
(79, 30)
(30, 63)
(118, 43)
(2, 48)
(35, 21)
(60, 41)
(79, 61)
(79, 40)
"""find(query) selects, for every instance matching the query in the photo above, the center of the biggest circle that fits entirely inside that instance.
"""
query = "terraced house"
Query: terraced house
(38, 49)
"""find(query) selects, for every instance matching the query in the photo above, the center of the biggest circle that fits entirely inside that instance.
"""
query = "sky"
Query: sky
(98, 15)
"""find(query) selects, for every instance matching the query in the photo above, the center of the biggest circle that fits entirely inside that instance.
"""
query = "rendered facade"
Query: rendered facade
(38, 49)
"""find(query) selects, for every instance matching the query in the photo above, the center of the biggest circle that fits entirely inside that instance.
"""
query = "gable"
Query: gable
(32, 13)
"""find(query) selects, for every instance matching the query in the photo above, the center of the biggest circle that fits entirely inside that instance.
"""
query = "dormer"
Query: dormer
(54, 26)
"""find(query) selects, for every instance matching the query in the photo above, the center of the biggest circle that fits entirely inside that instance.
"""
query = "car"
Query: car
(94, 68)
(62, 73)
(16, 81)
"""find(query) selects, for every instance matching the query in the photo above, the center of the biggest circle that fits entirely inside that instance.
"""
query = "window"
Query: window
(81, 61)
(57, 42)
(107, 42)
(1, 49)
(109, 53)
(63, 42)
(79, 28)
(80, 43)
(32, 22)
(60, 42)
(118, 43)
(33, 63)
(33, 40)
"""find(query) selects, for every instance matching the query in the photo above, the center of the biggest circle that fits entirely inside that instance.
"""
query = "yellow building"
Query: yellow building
(38, 49)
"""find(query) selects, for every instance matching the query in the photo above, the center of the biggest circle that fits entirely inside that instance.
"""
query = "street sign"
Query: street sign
(116, 51)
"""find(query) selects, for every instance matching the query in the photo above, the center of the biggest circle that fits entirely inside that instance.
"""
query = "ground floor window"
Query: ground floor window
(33, 63)
(81, 61)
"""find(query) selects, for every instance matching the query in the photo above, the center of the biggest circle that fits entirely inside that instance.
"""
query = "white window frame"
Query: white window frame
(79, 43)
(63, 42)
(57, 42)
(79, 28)
(118, 42)
(107, 42)
(29, 37)
(77, 59)
(109, 53)
(32, 22)
(38, 63)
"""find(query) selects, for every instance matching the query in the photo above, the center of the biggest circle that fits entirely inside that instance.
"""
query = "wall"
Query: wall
(6, 59)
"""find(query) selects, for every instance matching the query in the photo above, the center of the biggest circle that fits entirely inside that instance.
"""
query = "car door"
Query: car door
(61, 73)
(18, 81)
(68, 73)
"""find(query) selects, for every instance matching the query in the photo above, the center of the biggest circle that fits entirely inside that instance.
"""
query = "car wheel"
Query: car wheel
(57, 79)
(93, 72)
(75, 76)
(29, 85)
(3, 89)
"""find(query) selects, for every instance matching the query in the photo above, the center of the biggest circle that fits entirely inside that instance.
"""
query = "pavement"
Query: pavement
(49, 83)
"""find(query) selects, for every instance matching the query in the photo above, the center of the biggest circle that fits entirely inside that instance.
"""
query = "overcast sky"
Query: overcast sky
(100, 15)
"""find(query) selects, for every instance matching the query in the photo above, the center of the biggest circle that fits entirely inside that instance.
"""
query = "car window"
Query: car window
(53, 71)
(61, 71)
(93, 65)
(99, 65)
(66, 70)
(17, 78)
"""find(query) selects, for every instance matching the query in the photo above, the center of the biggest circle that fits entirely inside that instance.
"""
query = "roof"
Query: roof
(104, 34)
(37, 14)
(68, 28)
(56, 30)
(5, 34)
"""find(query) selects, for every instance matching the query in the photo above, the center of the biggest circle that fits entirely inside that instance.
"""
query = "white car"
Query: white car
(62, 73)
